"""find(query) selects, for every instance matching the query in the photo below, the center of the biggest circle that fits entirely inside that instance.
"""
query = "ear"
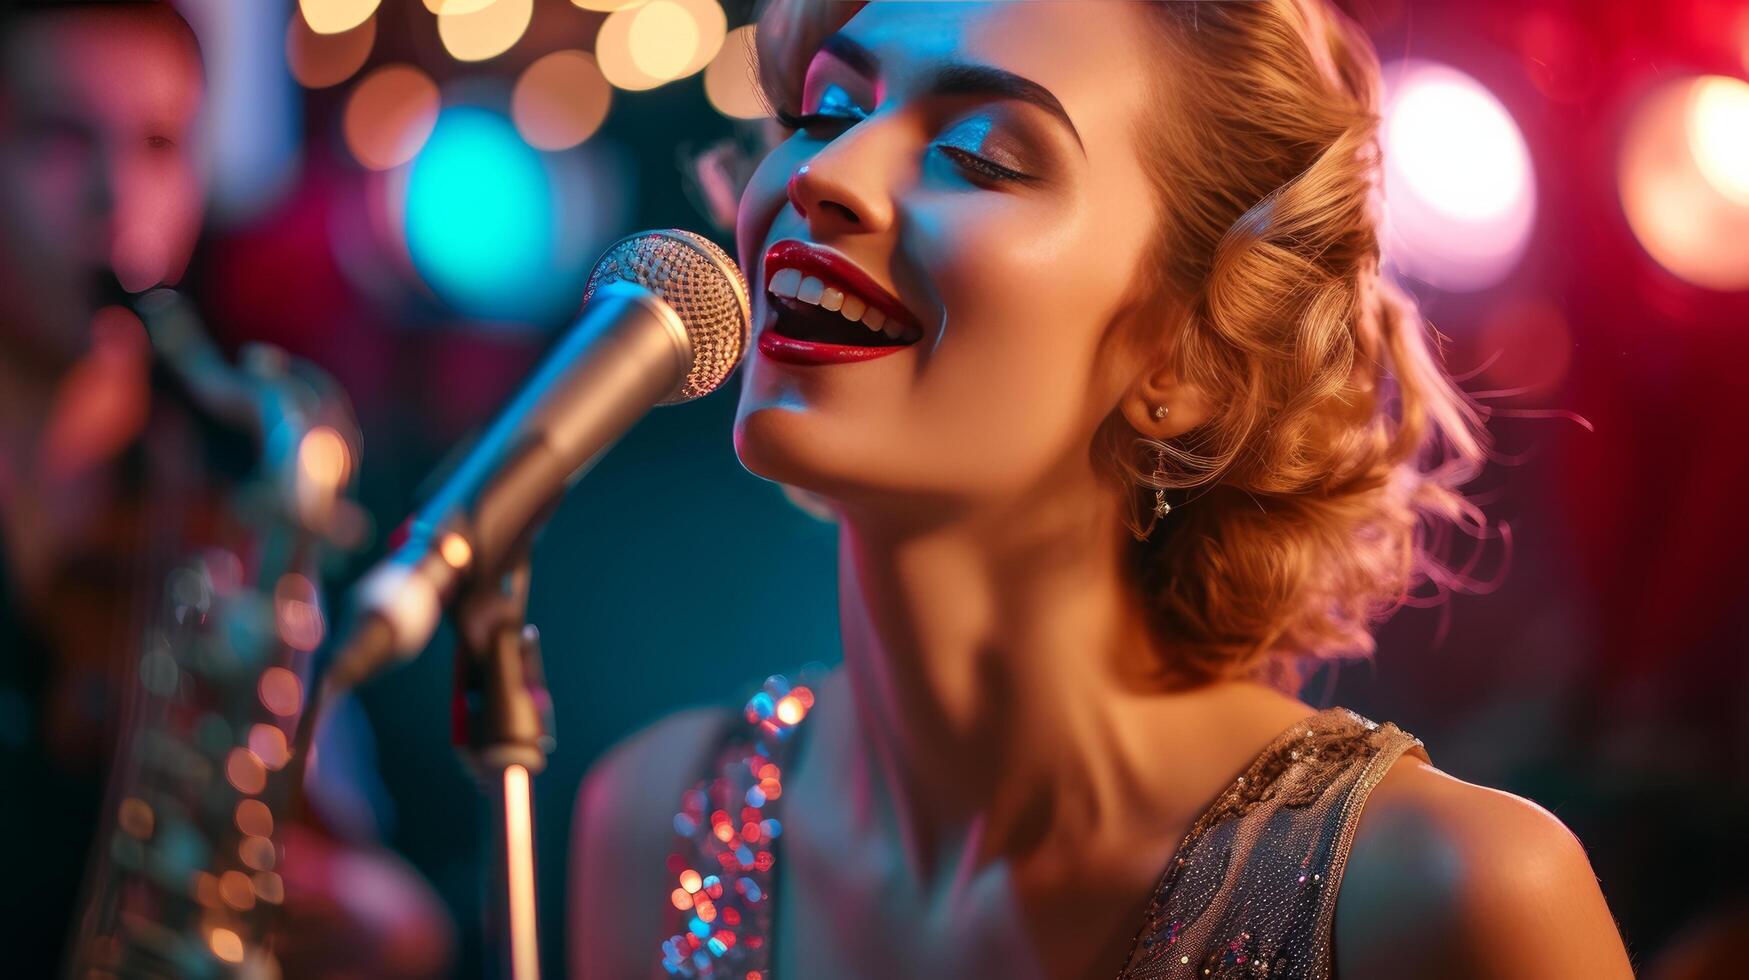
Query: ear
(1187, 406)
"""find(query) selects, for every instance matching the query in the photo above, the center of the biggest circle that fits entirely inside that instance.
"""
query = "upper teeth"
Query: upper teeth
(791, 284)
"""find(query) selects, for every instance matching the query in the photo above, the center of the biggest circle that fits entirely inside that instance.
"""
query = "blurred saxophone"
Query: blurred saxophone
(184, 880)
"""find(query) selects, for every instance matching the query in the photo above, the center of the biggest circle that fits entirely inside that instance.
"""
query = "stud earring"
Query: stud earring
(1159, 411)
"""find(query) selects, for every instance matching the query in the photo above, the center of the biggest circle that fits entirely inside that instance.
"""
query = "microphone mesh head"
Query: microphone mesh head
(702, 284)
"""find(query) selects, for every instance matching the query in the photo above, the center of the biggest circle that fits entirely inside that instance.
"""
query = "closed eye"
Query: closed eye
(977, 165)
(982, 167)
(809, 121)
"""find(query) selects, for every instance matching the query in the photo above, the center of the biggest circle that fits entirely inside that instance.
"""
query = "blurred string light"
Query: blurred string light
(560, 100)
(336, 16)
(389, 116)
(457, 6)
(479, 216)
(659, 41)
(1460, 196)
(606, 5)
(731, 79)
(1684, 176)
(478, 33)
(322, 60)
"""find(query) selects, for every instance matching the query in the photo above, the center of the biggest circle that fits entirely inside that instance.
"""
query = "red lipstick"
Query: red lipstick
(792, 351)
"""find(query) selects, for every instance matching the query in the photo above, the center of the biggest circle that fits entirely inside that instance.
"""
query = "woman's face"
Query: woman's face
(974, 161)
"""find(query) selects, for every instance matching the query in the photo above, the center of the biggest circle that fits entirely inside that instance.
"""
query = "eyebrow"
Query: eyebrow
(959, 78)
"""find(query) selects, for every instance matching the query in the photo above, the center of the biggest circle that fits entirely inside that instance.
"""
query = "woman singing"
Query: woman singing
(1071, 314)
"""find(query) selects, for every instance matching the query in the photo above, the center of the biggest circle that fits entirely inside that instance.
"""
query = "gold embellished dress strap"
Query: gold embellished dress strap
(1251, 890)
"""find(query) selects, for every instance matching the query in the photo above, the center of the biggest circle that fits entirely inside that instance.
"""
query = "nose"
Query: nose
(840, 191)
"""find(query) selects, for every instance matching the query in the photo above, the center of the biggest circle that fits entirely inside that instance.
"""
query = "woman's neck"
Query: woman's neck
(993, 670)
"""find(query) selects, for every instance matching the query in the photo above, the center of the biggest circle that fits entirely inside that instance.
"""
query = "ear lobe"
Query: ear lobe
(1186, 406)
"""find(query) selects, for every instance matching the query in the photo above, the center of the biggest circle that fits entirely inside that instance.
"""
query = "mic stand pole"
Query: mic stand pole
(501, 725)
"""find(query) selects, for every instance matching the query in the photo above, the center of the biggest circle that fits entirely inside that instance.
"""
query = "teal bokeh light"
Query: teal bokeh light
(480, 218)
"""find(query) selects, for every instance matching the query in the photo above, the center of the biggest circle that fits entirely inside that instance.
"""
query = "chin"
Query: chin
(797, 449)
(788, 445)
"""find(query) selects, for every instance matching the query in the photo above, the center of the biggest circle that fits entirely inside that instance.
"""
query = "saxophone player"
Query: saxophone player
(101, 194)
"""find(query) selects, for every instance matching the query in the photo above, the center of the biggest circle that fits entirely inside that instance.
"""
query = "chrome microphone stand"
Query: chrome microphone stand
(501, 719)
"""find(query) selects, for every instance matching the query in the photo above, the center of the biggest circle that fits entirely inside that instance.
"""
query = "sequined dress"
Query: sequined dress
(1250, 891)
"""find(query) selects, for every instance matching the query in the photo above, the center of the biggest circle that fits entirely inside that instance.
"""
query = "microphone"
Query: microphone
(665, 319)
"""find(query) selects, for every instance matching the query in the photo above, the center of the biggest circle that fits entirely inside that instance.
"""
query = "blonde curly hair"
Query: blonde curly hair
(1312, 503)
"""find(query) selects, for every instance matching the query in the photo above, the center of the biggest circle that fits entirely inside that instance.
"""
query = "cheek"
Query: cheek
(764, 196)
(1013, 389)
(1025, 309)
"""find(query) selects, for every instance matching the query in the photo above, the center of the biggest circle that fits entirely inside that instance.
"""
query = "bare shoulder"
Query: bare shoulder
(621, 834)
(1450, 879)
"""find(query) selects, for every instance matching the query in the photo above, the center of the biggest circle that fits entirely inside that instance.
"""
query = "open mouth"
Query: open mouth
(806, 321)
(820, 297)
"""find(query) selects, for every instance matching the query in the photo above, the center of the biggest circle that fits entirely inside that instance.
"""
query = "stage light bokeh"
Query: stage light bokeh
(457, 6)
(480, 217)
(731, 79)
(560, 100)
(336, 16)
(484, 33)
(1460, 193)
(389, 116)
(663, 38)
(659, 41)
(324, 60)
(1718, 134)
(713, 30)
(1684, 161)
(613, 53)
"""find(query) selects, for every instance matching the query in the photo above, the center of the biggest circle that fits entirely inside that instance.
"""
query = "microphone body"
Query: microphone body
(627, 352)
(665, 319)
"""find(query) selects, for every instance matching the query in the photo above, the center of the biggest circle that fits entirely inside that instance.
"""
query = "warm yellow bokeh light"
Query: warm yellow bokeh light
(613, 53)
(560, 100)
(389, 116)
(488, 32)
(731, 79)
(321, 60)
(713, 29)
(226, 945)
(455, 550)
(324, 456)
(1680, 213)
(606, 6)
(336, 16)
(457, 6)
(1718, 134)
(663, 38)
(659, 41)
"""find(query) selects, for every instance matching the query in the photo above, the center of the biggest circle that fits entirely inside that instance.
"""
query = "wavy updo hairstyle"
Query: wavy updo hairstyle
(1312, 504)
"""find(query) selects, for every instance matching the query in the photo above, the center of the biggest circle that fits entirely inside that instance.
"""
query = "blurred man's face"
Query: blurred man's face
(98, 167)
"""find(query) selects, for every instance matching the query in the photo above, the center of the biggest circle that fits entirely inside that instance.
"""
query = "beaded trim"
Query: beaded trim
(725, 843)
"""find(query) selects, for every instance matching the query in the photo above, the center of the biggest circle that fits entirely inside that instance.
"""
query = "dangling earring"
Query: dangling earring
(1161, 507)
